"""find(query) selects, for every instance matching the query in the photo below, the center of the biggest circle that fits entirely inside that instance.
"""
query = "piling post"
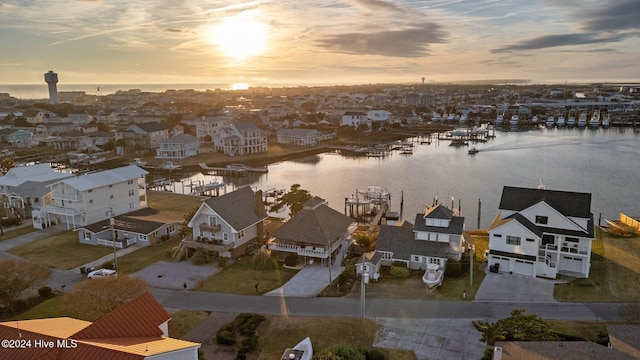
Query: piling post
(479, 211)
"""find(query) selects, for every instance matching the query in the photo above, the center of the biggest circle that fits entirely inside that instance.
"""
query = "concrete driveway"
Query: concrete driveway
(308, 282)
(168, 275)
(503, 287)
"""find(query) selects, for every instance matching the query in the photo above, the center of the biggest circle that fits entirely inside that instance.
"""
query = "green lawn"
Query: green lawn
(46, 309)
(614, 274)
(62, 251)
(146, 256)
(241, 278)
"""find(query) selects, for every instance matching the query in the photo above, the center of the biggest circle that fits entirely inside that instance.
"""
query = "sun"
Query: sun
(240, 36)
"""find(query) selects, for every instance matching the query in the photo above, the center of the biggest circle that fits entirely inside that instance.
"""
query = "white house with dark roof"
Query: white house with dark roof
(137, 227)
(240, 138)
(441, 224)
(143, 136)
(540, 232)
(355, 119)
(86, 199)
(178, 147)
(227, 224)
(313, 233)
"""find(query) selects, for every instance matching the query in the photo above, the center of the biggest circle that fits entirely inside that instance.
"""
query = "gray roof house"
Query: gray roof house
(399, 243)
(229, 223)
(313, 230)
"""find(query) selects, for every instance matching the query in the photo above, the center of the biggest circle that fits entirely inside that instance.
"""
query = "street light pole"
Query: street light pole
(472, 248)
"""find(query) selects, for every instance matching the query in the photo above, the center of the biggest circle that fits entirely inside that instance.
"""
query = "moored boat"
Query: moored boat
(473, 150)
(515, 120)
(433, 276)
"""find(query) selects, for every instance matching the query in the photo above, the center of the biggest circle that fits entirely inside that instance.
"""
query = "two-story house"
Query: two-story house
(317, 232)
(208, 128)
(355, 119)
(178, 147)
(141, 137)
(240, 138)
(540, 232)
(86, 199)
(435, 238)
(227, 224)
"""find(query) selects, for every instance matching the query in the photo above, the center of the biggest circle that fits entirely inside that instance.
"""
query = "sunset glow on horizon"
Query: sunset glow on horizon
(313, 41)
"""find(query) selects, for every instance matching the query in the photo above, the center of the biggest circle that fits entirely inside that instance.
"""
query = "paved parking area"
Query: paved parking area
(169, 275)
(308, 282)
(514, 288)
(432, 339)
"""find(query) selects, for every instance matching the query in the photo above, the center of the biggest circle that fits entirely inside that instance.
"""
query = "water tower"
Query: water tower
(52, 79)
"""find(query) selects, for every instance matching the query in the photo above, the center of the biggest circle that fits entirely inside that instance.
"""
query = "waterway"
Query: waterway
(603, 162)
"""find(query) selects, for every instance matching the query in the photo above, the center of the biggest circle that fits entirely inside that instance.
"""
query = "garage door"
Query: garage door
(571, 264)
(523, 268)
(503, 261)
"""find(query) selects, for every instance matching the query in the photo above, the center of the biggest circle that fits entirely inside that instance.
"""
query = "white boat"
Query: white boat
(139, 162)
(435, 117)
(170, 165)
(561, 122)
(582, 120)
(499, 120)
(464, 119)
(572, 121)
(606, 122)
(594, 122)
(534, 120)
(551, 121)
(473, 150)
(515, 120)
(302, 351)
(433, 276)
(451, 117)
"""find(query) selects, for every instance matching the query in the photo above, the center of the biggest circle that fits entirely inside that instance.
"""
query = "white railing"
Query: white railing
(109, 243)
(131, 241)
(303, 251)
(69, 197)
(574, 249)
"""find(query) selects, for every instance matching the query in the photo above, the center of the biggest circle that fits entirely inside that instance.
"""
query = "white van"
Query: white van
(101, 273)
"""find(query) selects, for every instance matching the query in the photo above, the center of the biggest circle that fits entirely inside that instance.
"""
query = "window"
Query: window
(213, 220)
(542, 219)
(530, 240)
(386, 255)
(572, 239)
(548, 240)
(497, 235)
(417, 258)
(130, 182)
(131, 193)
(111, 196)
(434, 261)
(513, 240)
(241, 235)
(225, 236)
(90, 201)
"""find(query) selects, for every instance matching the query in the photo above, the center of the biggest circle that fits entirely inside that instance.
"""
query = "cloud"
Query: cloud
(376, 5)
(410, 43)
(613, 15)
(548, 41)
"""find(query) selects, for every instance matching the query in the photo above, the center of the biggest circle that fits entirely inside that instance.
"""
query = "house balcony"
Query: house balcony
(574, 249)
(212, 229)
(119, 244)
(209, 244)
(309, 251)
(60, 196)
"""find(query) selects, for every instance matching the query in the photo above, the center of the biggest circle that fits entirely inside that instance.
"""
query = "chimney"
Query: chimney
(259, 205)
(497, 353)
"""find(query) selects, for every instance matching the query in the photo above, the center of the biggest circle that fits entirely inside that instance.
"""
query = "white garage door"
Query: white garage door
(503, 261)
(571, 264)
(523, 267)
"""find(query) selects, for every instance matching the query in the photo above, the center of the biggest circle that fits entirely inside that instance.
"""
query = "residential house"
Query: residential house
(441, 224)
(46, 129)
(37, 116)
(539, 232)
(208, 128)
(81, 118)
(317, 232)
(354, 119)
(301, 137)
(141, 137)
(178, 147)
(137, 330)
(380, 116)
(240, 138)
(16, 137)
(86, 199)
(101, 138)
(88, 128)
(227, 224)
(144, 227)
(24, 188)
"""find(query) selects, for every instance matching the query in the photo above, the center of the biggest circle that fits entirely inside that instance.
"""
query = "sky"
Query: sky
(313, 42)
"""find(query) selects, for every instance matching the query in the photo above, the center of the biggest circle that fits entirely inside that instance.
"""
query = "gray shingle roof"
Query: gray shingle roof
(400, 240)
(237, 208)
(456, 225)
(567, 203)
(439, 212)
(152, 126)
(315, 227)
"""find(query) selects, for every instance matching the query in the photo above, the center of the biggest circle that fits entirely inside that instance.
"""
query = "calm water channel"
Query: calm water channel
(604, 162)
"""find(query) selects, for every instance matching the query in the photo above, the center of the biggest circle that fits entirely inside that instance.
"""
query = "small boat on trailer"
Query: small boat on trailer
(473, 150)
(433, 276)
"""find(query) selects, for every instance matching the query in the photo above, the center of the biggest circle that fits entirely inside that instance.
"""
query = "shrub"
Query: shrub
(349, 271)
(250, 344)
(19, 306)
(291, 260)
(343, 352)
(246, 324)
(225, 337)
(401, 272)
(200, 257)
(45, 292)
(376, 354)
(261, 259)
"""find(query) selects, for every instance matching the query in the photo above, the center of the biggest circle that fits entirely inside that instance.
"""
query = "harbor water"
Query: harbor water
(603, 162)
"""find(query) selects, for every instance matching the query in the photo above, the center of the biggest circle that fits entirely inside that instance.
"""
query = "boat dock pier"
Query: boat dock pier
(237, 170)
(373, 202)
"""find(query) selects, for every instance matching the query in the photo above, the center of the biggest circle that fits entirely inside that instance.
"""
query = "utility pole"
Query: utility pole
(112, 224)
(472, 249)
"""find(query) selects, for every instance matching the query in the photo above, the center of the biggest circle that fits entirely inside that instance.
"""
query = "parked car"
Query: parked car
(100, 273)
